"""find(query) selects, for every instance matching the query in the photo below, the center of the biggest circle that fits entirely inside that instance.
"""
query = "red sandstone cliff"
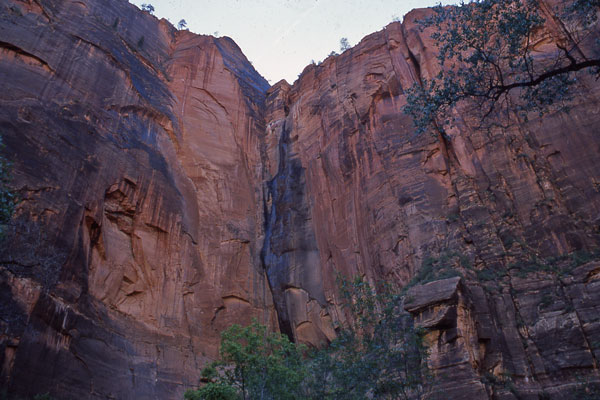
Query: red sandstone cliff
(374, 199)
(167, 192)
(137, 157)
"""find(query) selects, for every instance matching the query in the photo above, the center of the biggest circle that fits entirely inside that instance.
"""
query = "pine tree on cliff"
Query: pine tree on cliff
(496, 61)
(344, 44)
(149, 8)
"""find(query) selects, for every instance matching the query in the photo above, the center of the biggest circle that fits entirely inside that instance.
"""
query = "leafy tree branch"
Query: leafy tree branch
(491, 65)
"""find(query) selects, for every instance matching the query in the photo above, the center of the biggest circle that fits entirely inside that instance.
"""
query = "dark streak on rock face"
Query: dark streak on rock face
(289, 238)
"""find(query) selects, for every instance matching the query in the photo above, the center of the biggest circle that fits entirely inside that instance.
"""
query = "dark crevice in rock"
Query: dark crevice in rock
(21, 52)
(416, 64)
(273, 263)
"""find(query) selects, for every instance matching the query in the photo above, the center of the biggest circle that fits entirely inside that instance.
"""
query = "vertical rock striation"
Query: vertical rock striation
(514, 211)
(137, 159)
(290, 253)
(167, 192)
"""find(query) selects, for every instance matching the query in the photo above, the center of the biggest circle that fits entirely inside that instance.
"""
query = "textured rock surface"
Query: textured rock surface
(136, 155)
(495, 207)
(535, 339)
(167, 192)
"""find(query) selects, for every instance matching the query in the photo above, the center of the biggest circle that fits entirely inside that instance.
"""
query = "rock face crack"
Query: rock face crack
(21, 52)
(289, 242)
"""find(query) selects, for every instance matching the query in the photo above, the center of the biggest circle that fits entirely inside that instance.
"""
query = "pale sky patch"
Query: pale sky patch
(281, 37)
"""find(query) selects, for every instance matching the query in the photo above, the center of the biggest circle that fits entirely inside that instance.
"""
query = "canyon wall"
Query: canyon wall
(514, 211)
(137, 161)
(166, 192)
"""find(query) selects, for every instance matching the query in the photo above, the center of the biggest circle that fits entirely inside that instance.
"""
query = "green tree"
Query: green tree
(213, 391)
(254, 364)
(489, 65)
(380, 355)
(344, 44)
(148, 8)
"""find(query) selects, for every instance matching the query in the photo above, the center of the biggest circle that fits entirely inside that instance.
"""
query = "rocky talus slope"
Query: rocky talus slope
(166, 192)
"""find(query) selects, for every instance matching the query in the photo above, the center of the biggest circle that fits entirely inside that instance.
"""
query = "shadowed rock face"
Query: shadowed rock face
(137, 158)
(167, 192)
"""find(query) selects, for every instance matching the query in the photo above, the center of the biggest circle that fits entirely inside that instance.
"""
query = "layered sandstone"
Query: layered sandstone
(497, 207)
(167, 192)
(137, 239)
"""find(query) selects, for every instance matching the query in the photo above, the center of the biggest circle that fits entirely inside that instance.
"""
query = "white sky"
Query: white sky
(281, 37)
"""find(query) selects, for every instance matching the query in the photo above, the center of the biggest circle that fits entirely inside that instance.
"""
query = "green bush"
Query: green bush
(212, 391)
(379, 355)
(254, 364)
(447, 265)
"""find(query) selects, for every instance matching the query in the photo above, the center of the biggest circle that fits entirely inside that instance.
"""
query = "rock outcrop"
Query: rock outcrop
(166, 192)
